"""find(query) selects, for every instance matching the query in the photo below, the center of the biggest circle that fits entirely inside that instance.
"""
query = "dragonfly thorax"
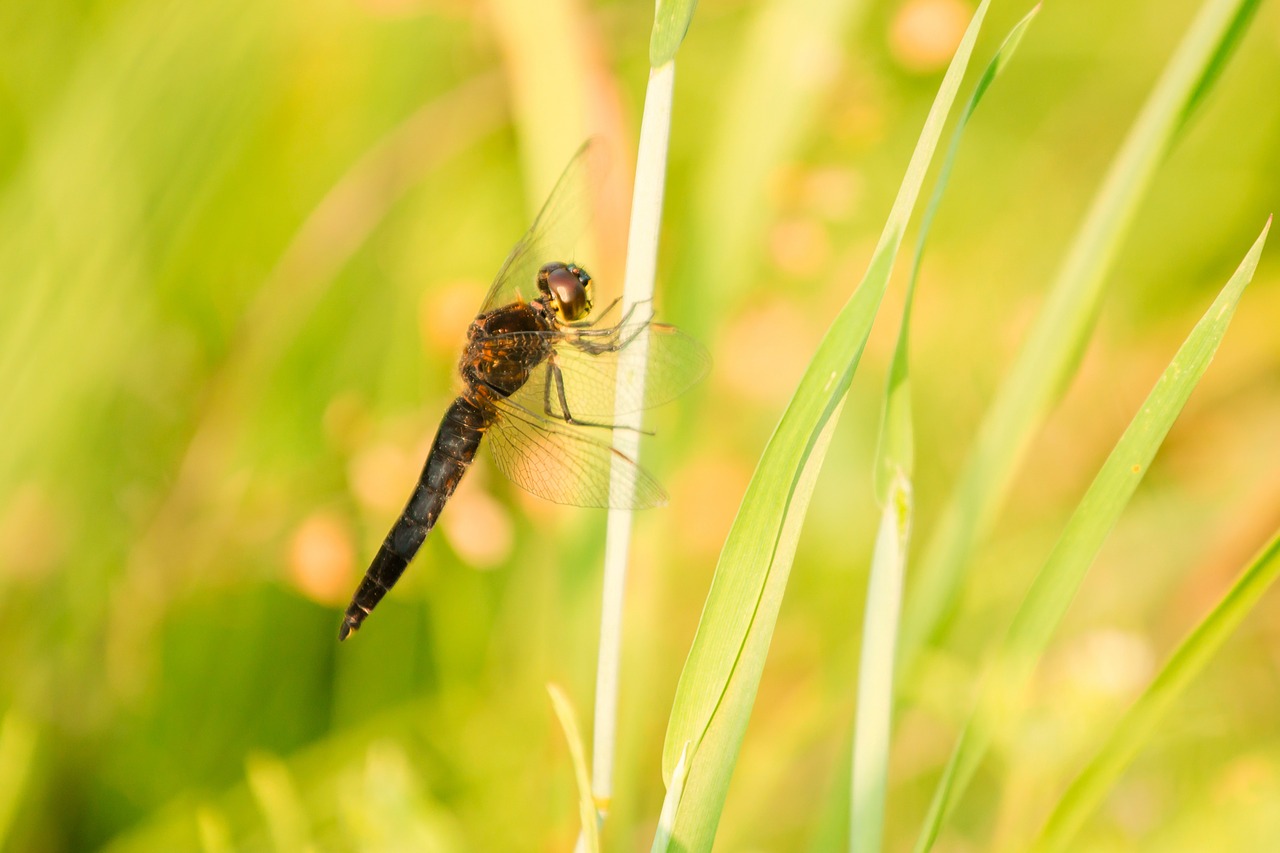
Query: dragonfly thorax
(568, 288)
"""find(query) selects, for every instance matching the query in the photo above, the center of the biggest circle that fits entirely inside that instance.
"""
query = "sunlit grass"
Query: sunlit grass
(892, 475)
(239, 246)
(718, 685)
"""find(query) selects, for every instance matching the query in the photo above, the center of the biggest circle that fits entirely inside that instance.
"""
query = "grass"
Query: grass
(1055, 585)
(718, 685)
(239, 247)
(893, 469)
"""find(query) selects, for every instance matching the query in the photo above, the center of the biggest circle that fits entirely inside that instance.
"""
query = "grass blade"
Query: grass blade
(875, 671)
(670, 803)
(893, 488)
(1049, 359)
(719, 681)
(590, 840)
(1089, 788)
(671, 19)
(638, 287)
(1057, 581)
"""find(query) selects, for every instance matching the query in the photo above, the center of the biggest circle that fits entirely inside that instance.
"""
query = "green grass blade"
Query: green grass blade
(1049, 358)
(894, 448)
(1089, 788)
(586, 805)
(875, 671)
(671, 19)
(718, 684)
(1057, 581)
(1236, 29)
(670, 803)
(888, 563)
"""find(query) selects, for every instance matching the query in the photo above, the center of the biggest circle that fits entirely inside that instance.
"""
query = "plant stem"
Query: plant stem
(642, 257)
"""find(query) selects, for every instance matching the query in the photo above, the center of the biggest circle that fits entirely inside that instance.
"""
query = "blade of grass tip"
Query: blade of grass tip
(1057, 581)
(1135, 728)
(671, 19)
(894, 447)
(1049, 358)
(872, 727)
(670, 803)
(590, 838)
(638, 287)
(718, 684)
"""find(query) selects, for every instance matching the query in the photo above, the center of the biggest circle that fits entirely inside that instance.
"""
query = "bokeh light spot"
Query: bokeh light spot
(477, 526)
(925, 33)
(322, 558)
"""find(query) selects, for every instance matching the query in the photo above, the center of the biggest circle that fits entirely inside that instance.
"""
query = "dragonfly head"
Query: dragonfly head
(568, 286)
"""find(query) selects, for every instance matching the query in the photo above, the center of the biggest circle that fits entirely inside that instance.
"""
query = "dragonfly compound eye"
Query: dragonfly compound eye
(570, 288)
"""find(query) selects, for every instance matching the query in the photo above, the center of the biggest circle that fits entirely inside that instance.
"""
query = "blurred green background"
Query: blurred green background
(239, 246)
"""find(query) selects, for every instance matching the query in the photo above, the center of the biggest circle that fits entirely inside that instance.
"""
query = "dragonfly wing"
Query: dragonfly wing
(588, 361)
(553, 236)
(567, 464)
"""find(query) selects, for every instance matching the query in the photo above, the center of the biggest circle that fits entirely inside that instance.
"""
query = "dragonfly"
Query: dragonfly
(539, 382)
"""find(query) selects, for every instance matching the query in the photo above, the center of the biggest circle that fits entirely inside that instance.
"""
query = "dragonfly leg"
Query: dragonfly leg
(611, 339)
(554, 371)
(546, 394)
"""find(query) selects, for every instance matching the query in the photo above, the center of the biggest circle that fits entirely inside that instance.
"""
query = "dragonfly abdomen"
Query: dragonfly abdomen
(453, 450)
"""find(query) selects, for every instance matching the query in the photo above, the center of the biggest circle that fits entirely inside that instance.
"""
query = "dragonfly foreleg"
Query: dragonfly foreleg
(612, 339)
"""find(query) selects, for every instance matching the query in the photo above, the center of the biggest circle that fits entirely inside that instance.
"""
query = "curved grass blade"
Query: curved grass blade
(590, 840)
(871, 735)
(1051, 354)
(1057, 581)
(718, 685)
(1093, 783)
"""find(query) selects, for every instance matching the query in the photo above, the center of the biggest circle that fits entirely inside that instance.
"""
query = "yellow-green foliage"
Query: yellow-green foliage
(239, 246)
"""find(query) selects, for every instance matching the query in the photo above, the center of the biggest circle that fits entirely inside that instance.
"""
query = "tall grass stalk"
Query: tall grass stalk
(638, 288)
(671, 22)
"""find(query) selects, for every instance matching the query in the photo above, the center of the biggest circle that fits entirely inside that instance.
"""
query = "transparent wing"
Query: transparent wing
(566, 464)
(588, 361)
(553, 236)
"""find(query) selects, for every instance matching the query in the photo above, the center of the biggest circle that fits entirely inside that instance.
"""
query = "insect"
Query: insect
(538, 373)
